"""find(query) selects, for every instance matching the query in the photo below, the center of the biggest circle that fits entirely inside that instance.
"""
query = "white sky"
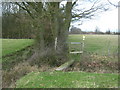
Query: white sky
(0, 8)
(106, 20)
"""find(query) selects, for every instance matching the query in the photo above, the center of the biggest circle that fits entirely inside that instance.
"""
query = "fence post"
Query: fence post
(83, 42)
(55, 43)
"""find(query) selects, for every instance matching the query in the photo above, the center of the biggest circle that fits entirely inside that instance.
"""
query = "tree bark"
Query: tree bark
(63, 29)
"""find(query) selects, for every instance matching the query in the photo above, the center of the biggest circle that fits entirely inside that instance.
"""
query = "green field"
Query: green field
(93, 43)
(97, 43)
(13, 45)
(68, 80)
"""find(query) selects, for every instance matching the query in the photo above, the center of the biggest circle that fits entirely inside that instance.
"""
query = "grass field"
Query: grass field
(68, 80)
(97, 43)
(12, 45)
(93, 43)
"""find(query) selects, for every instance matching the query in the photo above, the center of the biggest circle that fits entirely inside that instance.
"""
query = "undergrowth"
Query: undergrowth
(92, 62)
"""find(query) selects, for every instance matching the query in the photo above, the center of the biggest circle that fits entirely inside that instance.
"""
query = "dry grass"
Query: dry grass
(9, 77)
(96, 63)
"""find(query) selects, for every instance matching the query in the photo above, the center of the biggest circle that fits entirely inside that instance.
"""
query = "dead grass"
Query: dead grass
(9, 77)
(96, 63)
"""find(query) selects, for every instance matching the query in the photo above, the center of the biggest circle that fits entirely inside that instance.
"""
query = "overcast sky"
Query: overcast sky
(0, 8)
(106, 20)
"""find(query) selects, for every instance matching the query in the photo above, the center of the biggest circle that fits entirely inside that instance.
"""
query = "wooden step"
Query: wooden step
(65, 65)
(76, 52)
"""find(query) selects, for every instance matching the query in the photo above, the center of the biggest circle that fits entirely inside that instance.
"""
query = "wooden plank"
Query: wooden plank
(76, 52)
(65, 65)
(75, 43)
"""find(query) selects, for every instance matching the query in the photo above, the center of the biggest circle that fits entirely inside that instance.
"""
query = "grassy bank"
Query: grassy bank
(68, 80)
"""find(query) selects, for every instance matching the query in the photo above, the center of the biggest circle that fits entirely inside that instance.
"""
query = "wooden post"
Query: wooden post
(55, 43)
(108, 48)
(83, 42)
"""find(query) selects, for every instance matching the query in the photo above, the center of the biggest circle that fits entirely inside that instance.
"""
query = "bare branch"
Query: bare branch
(74, 3)
(113, 4)
(24, 7)
(35, 6)
(89, 13)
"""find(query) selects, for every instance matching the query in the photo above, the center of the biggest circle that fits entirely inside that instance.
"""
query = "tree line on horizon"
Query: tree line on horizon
(76, 30)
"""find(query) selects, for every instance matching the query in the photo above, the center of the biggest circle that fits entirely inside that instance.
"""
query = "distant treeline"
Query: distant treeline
(75, 30)
(17, 25)
(84, 32)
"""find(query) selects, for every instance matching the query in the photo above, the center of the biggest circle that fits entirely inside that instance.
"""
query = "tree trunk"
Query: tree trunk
(63, 29)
